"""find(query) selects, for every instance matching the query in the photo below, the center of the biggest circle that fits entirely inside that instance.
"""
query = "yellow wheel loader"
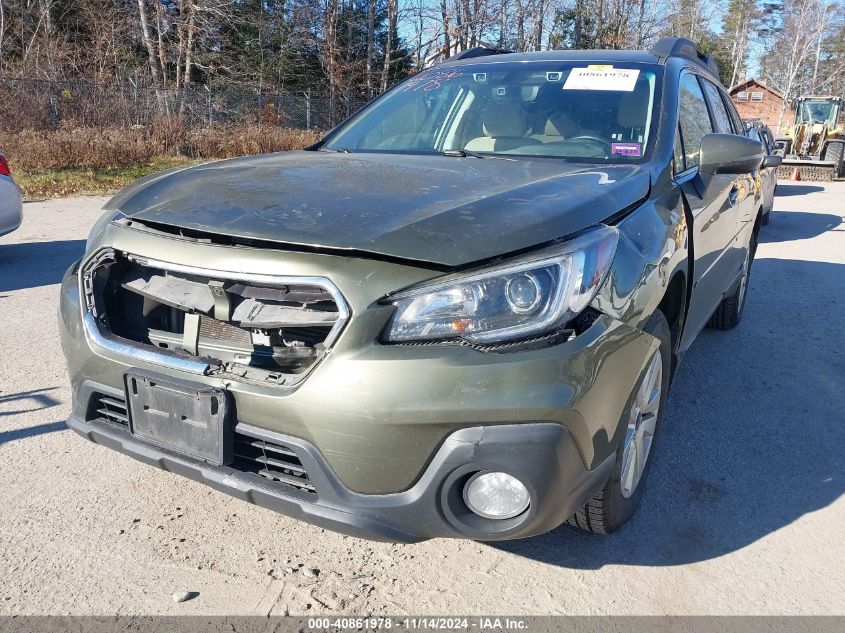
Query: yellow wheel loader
(815, 145)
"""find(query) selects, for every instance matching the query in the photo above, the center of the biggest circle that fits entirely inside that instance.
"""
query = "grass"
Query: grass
(40, 184)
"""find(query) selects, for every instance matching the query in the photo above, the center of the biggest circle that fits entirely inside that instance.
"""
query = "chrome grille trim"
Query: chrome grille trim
(151, 354)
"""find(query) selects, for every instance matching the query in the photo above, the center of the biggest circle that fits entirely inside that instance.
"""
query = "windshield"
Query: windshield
(817, 111)
(579, 111)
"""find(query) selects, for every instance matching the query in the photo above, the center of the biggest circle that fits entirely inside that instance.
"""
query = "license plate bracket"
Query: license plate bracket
(185, 417)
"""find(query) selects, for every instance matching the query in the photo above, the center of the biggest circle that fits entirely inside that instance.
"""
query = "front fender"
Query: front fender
(653, 248)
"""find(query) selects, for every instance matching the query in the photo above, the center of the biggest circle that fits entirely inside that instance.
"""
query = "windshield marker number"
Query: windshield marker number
(616, 79)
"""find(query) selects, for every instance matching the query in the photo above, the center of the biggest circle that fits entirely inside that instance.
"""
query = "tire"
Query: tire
(729, 313)
(768, 216)
(835, 151)
(614, 505)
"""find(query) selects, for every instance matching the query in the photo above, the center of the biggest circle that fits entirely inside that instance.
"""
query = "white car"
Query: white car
(10, 200)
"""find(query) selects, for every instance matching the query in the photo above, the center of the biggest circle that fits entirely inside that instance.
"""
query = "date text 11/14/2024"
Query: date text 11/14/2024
(479, 623)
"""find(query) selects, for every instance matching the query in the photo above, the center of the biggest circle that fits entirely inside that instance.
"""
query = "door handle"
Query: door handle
(733, 195)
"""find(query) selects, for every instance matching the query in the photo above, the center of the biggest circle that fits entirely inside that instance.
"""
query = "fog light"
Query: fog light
(496, 495)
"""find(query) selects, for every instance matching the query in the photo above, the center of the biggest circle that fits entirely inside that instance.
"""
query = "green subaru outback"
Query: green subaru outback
(457, 315)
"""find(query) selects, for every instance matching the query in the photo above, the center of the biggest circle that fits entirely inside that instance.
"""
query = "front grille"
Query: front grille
(270, 460)
(108, 409)
(250, 326)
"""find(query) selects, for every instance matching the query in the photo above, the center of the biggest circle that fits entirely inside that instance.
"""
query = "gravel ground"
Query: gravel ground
(743, 513)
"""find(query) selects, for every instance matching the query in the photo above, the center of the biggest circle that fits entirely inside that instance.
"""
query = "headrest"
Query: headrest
(559, 124)
(633, 106)
(503, 118)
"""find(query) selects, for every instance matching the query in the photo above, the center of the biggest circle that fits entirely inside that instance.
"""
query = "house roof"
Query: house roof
(754, 82)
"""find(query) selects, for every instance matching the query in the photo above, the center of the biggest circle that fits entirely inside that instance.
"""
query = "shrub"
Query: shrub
(238, 140)
(70, 147)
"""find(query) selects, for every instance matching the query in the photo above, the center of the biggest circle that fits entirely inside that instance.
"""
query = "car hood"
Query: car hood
(440, 210)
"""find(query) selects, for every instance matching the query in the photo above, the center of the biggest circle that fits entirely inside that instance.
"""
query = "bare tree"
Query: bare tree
(804, 24)
(371, 29)
(152, 55)
(330, 49)
(2, 31)
(392, 18)
(824, 24)
(447, 41)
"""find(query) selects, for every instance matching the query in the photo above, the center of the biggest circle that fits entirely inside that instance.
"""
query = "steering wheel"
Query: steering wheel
(605, 146)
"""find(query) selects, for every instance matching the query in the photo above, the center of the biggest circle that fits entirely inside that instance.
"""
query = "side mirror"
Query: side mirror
(772, 160)
(729, 154)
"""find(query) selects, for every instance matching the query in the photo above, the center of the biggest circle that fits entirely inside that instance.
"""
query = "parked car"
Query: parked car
(10, 200)
(457, 315)
(768, 181)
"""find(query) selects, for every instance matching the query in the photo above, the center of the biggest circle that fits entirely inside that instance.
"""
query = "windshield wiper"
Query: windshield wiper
(461, 153)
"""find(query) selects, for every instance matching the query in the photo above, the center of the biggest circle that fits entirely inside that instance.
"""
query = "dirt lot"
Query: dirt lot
(743, 513)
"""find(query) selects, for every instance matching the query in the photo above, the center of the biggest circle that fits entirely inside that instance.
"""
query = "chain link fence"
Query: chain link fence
(45, 105)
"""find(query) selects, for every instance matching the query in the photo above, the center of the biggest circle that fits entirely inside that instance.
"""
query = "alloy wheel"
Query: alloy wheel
(641, 426)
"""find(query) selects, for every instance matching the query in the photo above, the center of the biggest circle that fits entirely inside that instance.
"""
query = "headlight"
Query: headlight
(508, 302)
(100, 226)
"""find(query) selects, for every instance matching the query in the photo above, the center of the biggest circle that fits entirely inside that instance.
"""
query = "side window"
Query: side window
(678, 154)
(739, 127)
(717, 109)
(768, 140)
(764, 141)
(695, 122)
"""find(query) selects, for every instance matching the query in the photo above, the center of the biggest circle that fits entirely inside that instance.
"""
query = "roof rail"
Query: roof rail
(479, 51)
(680, 47)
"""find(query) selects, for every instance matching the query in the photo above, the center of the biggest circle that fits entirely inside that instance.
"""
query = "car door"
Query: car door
(747, 198)
(769, 174)
(713, 205)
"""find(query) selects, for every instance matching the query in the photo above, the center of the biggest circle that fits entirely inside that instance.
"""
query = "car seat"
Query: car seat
(503, 124)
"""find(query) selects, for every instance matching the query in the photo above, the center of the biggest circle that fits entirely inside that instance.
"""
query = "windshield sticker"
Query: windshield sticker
(618, 79)
(626, 149)
(430, 81)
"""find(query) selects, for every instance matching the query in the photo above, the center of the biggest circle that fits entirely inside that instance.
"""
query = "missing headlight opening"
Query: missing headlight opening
(269, 332)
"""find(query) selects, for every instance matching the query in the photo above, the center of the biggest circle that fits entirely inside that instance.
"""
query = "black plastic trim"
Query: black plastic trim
(479, 51)
(685, 49)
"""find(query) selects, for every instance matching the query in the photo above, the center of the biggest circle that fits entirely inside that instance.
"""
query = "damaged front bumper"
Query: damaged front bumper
(382, 433)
